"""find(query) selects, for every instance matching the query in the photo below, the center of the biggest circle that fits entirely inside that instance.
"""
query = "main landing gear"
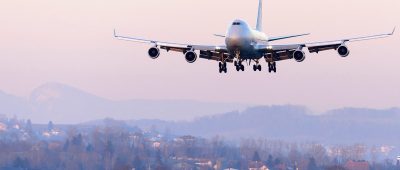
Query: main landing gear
(239, 66)
(272, 67)
(257, 66)
(222, 67)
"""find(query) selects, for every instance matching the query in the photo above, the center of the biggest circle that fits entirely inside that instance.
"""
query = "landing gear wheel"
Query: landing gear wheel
(222, 67)
(272, 67)
(257, 67)
(239, 66)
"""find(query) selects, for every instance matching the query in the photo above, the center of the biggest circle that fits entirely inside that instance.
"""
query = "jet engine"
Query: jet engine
(154, 52)
(343, 51)
(299, 55)
(190, 56)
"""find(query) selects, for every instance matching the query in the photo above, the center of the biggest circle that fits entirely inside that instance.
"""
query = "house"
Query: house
(204, 163)
(357, 165)
(3, 127)
(255, 165)
(186, 140)
(280, 166)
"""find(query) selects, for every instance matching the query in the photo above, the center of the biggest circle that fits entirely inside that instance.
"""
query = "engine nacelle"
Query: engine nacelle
(343, 51)
(190, 56)
(299, 55)
(154, 52)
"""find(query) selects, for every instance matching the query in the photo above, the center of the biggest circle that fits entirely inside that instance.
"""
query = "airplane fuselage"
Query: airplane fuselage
(241, 40)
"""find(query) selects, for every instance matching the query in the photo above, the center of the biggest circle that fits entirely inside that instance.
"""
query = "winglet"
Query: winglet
(394, 29)
(115, 33)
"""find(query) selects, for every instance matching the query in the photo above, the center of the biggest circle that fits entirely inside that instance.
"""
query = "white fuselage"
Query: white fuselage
(242, 40)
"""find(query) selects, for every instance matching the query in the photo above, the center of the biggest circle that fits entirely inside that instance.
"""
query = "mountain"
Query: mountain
(65, 104)
(68, 105)
(12, 105)
(293, 123)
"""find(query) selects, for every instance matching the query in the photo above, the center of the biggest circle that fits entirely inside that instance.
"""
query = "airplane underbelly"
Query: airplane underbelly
(247, 51)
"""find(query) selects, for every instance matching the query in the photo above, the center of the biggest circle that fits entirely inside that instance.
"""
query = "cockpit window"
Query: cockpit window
(236, 23)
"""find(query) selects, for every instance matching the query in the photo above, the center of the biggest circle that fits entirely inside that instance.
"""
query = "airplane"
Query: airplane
(245, 44)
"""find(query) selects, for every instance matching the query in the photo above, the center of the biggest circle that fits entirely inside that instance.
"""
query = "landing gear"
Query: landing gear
(222, 67)
(272, 67)
(239, 66)
(257, 67)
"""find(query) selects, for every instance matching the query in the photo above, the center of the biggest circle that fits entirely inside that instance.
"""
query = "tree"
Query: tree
(138, 164)
(28, 127)
(256, 157)
(77, 140)
(277, 161)
(50, 126)
(270, 161)
(398, 165)
(66, 146)
(21, 163)
(159, 162)
(312, 164)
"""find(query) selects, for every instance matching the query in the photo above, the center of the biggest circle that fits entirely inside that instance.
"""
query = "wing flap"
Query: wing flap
(210, 55)
(279, 55)
(318, 48)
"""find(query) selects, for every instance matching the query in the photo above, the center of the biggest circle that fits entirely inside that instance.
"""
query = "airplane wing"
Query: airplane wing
(285, 37)
(283, 52)
(172, 46)
(316, 47)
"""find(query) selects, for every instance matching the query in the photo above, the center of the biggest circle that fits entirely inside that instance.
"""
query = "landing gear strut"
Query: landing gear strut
(272, 67)
(222, 67)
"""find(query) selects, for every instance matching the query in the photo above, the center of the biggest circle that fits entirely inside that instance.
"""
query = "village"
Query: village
(113, 145)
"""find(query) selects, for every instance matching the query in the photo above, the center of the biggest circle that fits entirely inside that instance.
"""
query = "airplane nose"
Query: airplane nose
(235, 41)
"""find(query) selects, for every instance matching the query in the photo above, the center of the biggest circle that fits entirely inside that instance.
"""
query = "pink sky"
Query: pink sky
(71, 42)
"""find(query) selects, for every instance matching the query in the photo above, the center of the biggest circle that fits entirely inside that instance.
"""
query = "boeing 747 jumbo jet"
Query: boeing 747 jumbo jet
(244, 44)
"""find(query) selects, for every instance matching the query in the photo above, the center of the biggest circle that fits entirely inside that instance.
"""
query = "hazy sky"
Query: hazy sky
(70, 41)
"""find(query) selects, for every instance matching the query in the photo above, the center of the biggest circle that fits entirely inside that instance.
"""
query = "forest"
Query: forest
(115, 145)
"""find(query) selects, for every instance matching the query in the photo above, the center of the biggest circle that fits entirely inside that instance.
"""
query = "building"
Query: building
(398, 161)
(357, 165)
(255, 165)
(3, 127)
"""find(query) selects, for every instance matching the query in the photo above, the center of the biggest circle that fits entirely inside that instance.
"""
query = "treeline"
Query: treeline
(117, 146)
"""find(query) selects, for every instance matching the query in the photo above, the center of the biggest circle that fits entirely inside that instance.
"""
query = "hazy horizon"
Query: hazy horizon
(71, 42)
(245, 105)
